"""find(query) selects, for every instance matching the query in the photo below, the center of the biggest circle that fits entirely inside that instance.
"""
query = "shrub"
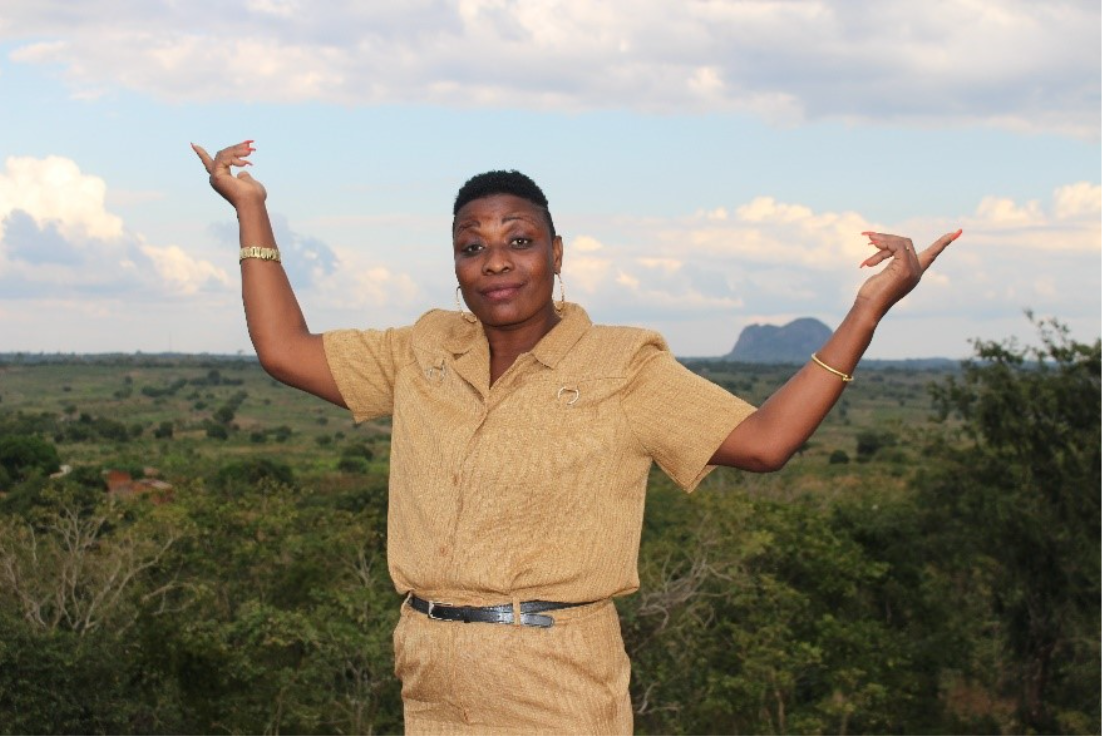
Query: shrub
(355, 465)
(253, 472)
(23, 456)
(870, 442)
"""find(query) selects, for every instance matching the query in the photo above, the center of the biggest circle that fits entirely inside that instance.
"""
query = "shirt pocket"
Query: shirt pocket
(564, 422)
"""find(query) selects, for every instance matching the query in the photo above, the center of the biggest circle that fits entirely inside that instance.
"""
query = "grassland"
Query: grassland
(269, 420)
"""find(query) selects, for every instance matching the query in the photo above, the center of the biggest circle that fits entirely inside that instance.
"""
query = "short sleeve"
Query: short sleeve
(365, 365)
(679, 417)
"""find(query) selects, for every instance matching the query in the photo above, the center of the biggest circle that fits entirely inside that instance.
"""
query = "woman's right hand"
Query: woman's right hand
(240, 190)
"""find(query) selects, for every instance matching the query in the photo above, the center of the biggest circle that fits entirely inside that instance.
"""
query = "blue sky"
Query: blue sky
(711, 164)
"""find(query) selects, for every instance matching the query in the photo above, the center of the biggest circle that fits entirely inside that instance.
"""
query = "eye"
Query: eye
(470, 249)
(521, 242)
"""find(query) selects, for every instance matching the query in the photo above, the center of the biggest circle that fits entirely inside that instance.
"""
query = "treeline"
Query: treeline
(257, 599)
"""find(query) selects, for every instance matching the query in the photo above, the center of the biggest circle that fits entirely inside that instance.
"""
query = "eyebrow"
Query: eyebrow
(512, 216)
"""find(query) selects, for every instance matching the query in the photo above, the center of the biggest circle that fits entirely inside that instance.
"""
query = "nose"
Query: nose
(498, 260)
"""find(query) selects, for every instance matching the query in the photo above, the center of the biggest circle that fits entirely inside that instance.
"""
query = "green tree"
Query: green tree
(1015, 494)
(224, 414)
(23, 456)
(243, 475)
(869, 442)
(217, 432)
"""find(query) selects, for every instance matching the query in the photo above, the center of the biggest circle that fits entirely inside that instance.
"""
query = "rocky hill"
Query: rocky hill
(792, 343)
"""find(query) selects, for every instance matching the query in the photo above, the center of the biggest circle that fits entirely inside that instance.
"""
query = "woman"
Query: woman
(522, 439)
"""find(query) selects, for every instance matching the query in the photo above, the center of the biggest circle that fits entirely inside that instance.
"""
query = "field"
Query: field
(263, 418)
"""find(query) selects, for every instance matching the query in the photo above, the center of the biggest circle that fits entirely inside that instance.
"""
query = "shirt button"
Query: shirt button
(455, 479)
(443, 550)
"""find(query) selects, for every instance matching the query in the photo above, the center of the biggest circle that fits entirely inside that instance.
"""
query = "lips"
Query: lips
(500, 292)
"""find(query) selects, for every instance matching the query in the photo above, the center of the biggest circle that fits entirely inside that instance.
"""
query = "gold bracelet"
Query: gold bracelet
(255, 251)
(846, 378)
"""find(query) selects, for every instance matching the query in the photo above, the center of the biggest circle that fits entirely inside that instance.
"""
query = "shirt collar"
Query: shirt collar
(552, 348)
(557, 343)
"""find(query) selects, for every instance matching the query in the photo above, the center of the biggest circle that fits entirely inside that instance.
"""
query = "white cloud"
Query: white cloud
(1081, 199)
(767, 231)
(667, 265)
(1003, 212)
(57, 239)
(53, 190)
(786, 259)
(585, 273)
(368, 286)
(1015, 64)
(584, 244)
(186, 275)
(1069, 224)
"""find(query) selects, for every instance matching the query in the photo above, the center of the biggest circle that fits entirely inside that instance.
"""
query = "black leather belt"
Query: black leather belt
(530, 612)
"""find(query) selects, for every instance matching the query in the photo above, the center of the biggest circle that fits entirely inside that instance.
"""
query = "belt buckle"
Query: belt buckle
(432, 609)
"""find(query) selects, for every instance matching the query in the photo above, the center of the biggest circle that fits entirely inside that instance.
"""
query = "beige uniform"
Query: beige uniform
(530, 489)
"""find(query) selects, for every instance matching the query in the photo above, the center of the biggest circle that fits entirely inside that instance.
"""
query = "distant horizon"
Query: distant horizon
(252, 357)
(1028, 339)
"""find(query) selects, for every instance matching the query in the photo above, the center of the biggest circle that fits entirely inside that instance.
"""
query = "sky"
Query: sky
(710, 163)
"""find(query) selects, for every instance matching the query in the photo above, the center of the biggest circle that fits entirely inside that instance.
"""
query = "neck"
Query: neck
(510, 341)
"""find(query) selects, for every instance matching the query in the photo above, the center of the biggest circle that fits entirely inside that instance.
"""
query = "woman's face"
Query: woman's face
(506, 261)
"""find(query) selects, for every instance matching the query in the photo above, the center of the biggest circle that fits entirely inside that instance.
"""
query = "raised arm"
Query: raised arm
(766, 439)
(285, 346)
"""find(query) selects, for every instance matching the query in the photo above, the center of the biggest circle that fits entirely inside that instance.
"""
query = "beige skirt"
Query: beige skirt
(477, 678)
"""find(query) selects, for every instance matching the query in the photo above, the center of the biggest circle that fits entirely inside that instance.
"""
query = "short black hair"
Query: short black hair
(502, 182)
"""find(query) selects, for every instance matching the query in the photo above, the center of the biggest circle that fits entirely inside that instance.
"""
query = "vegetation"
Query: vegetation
(945, 582)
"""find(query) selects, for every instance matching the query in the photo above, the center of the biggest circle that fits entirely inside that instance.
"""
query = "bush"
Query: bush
(355, 465)
(360, 451)
(252, 472)
(839, 457)
(23, 456)
(870, 442)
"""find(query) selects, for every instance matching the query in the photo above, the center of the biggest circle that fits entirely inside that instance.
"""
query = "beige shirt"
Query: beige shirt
(532, 488)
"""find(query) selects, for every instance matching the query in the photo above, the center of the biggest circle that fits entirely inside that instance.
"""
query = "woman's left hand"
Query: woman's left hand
(904, 271)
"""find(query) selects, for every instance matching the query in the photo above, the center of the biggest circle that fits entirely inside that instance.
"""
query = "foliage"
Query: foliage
(1016, 494)
(870, 442)
(72, 568)
(243, 474)
(950, 585)
(23, 456)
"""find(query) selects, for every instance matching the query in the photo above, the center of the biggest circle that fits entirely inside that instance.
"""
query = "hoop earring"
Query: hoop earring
(561, 306)
(467, 316)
